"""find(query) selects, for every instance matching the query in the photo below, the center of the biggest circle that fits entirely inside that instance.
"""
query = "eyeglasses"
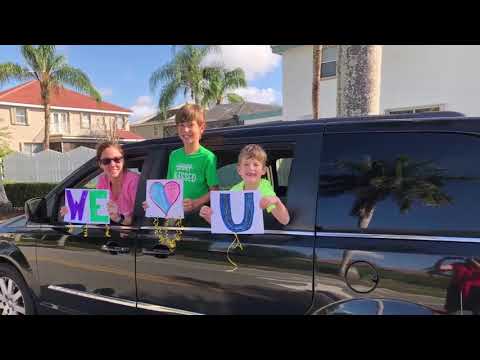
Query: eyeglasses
(107, 161)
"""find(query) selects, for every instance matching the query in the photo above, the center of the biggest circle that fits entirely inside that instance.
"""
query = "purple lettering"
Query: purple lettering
(76, 207)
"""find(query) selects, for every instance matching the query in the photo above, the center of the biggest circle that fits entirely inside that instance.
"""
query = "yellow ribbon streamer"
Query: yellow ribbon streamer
(235, 243)
(163, 233)
(107, 231)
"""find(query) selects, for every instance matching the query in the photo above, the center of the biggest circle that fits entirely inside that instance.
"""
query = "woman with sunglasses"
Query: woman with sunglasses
(121, 183)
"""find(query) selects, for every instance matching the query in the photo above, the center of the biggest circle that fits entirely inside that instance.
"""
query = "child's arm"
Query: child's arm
(280, 212)
(190, 205)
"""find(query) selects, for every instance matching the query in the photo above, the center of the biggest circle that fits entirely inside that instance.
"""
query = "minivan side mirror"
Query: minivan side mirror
(36, 210)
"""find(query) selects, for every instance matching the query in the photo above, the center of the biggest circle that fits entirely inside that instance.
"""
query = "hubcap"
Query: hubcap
(11, 298)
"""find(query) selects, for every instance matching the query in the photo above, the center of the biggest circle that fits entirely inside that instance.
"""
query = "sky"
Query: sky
(121, 72)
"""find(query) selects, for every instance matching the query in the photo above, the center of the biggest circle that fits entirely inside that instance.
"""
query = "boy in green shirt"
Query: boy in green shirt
(251, 167)
(194, 164)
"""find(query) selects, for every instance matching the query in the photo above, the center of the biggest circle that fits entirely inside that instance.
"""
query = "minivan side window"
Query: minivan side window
(278, 170)
(410, 182)
(90, 182)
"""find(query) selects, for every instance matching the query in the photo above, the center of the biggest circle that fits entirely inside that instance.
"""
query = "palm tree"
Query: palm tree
(317, 67)
(358, 79)
(184, 73)
(358, 92)
(219, 82)
(403, 180)
(52, 72)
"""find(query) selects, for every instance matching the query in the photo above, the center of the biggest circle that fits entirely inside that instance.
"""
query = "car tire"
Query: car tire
(15, 295)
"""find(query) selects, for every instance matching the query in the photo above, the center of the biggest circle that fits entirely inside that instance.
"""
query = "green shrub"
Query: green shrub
(18, 193)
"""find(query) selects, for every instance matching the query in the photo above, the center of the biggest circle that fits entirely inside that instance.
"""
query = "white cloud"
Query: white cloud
(255, 60)
(106, 92)
(263, 96)
(143, 106)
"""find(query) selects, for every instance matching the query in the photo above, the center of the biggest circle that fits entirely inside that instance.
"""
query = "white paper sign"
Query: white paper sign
(165, 199)
(236, 212)
(87, 206)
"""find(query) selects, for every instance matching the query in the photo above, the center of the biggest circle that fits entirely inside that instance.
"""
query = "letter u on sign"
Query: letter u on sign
(86, 206)
(236, 212)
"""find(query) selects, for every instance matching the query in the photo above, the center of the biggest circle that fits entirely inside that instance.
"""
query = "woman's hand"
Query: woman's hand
(113, 211)
(63, 211)
(206, 213)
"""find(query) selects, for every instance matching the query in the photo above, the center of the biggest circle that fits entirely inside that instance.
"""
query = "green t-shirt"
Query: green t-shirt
(265, 189)
(198, 171)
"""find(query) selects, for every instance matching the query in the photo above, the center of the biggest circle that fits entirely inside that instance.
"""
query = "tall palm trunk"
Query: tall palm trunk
(5, 204)
(317, 66)
(358, 79)
(358, 93)
(46, 141)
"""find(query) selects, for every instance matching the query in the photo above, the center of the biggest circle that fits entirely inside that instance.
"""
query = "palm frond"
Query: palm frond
(168, 93)
(10, 71)
(235, 79)
(235, 98)
(77, 79)
(29, 53)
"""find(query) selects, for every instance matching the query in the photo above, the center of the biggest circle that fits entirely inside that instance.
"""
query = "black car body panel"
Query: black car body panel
(346, 249)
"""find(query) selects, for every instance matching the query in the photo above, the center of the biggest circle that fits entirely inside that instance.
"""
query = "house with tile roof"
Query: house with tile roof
(218, 116)
(76, 119)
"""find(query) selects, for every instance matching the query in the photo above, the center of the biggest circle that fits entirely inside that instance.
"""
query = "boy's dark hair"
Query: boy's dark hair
(190, 112)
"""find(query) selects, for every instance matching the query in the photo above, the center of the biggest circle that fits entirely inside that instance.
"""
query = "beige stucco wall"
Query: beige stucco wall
(146, 131)
(34, 131)
(412, 75)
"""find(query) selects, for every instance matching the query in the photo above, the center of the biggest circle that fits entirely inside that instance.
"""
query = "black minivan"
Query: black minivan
(384, 220)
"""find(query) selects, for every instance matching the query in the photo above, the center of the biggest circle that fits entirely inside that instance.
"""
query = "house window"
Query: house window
(329, 62)
(414, 110)
(32, 148)
(85, 122)
(21, 116)
(156, 130)
(119, 122)
(59, 123)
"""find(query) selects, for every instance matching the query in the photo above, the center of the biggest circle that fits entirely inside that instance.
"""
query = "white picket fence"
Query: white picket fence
(45, 166)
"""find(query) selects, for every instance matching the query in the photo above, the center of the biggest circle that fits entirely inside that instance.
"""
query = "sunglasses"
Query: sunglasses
(107, 161)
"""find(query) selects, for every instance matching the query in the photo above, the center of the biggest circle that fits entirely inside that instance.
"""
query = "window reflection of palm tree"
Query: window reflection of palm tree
(372, 181)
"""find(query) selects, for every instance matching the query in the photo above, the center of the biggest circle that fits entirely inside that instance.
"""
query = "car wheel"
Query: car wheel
(15, 296)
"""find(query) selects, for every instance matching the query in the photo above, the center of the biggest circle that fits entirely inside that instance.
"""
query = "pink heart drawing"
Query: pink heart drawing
(172, 190)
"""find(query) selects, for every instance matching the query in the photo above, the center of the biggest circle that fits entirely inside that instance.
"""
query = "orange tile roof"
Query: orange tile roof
(128, 135)
(29, 93)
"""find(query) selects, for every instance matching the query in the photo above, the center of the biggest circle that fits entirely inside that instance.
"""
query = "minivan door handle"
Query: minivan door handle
(113, 249)
(160, 253)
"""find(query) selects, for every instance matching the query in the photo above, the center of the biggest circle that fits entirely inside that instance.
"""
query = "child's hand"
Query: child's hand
(188, 205)
(267, 201)
(63, 211)
(145, 205)
(206, 213)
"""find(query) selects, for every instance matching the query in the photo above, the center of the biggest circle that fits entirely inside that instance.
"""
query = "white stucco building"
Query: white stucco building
(414, 78)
